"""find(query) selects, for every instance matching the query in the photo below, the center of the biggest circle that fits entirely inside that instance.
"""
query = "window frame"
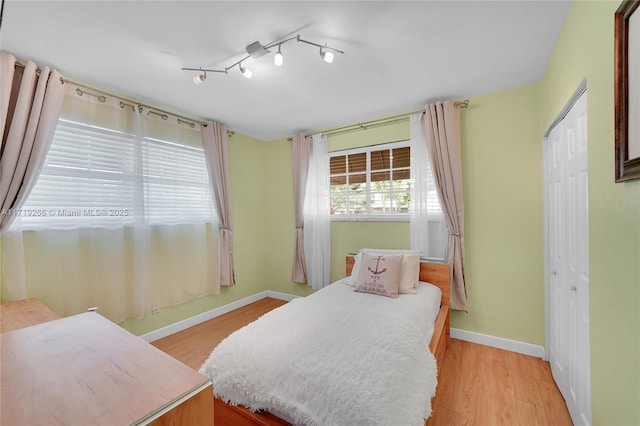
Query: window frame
(141, 177)
(369, 217)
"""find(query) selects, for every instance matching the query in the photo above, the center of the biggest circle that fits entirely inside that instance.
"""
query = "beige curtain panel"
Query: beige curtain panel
(30, 105)
(442, 129)
(216, 150)
(300, 151)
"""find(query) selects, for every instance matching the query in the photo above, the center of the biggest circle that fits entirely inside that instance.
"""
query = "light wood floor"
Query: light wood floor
(481, 385)
(193, 345)
(477, 385)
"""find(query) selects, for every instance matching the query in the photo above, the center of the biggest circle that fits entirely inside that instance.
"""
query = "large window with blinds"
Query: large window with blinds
(371, 182)
(99, 177)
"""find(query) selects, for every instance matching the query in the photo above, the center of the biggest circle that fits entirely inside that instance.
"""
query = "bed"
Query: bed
(236, 372)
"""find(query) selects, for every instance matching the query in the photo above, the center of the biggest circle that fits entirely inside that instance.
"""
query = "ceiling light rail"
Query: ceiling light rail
(257, 50)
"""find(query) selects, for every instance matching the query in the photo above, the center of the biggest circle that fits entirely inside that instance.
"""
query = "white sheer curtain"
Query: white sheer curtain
(317, 222)
(427, 226)
(128, 222)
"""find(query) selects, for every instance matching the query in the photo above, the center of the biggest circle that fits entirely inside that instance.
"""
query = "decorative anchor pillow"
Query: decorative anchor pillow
(379, 274)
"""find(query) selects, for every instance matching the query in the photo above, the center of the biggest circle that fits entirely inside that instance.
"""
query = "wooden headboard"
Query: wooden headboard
(434, 273)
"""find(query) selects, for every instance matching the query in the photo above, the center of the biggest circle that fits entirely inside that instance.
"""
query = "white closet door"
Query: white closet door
(558, 297)
(568, 242)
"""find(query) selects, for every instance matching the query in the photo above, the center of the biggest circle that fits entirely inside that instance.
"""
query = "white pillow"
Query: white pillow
(410, 269)
(379, 274)
(350, 280)
(409, 273)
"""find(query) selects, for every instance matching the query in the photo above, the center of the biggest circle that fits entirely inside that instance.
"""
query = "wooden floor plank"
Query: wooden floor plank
(193, 345)
(530, 414)
(526, 378)
(477, 385)
(553, 404)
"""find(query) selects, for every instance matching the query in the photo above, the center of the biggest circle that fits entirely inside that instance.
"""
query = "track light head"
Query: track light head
(245, 71)
(326, 55)
(200, 78)
(278, 59)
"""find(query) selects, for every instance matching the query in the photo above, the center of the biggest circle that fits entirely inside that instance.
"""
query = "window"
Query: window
(94, 176)
(177, 183)
(371, 182)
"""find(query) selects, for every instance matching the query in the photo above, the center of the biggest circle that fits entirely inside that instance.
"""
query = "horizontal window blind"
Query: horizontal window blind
(177, 183)
(97, 177)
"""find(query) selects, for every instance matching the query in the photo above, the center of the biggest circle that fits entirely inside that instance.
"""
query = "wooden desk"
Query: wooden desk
(24, 313)
(84, 369)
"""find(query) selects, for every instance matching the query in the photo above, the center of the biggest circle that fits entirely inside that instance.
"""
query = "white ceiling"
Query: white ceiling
(399, 54)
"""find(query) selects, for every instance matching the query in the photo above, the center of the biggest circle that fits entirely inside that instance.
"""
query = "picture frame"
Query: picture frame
(627, 90)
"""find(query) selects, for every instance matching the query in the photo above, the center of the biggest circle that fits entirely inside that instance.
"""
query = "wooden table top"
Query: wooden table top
(84, 369)
(24, 313)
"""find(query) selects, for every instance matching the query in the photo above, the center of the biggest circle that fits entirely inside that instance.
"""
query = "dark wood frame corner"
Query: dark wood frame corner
(626, 168)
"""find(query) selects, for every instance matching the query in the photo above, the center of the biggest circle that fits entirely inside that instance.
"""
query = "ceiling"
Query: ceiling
(399, 55)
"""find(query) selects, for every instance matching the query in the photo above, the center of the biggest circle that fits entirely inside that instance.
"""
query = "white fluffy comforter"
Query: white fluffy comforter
(319, 363)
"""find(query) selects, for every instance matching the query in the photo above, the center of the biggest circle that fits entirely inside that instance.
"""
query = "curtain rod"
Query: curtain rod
(371, 123)
(158, 111)
(380, 121)
(181, 118)
(384, 121)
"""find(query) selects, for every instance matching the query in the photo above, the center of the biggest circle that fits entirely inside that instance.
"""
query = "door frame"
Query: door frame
(582, 87)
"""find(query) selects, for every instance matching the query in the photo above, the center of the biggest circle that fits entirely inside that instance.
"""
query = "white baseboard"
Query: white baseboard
(282, 296)
(216, 312)
(499, 342)
(469, 336)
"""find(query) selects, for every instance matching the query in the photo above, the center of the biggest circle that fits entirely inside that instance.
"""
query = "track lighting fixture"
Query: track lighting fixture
(256, 50)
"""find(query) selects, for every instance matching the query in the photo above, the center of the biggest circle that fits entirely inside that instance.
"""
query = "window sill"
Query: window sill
(371, 218)
(381, 218)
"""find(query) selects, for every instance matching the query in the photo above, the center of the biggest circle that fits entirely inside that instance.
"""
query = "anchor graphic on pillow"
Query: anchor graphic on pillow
(377, 271)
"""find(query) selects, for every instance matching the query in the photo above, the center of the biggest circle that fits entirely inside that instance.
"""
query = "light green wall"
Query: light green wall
(585, 50)
(502, 178)
(248, 203)
(278, 219)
